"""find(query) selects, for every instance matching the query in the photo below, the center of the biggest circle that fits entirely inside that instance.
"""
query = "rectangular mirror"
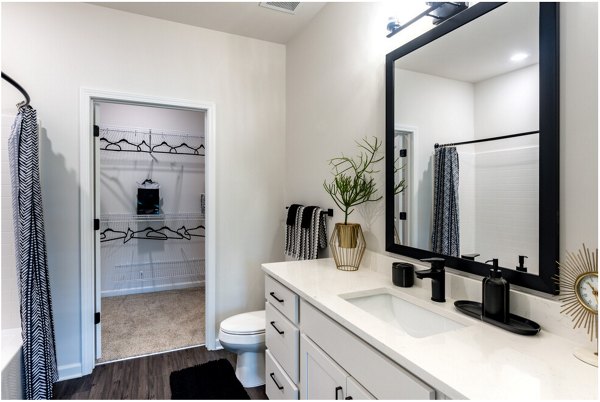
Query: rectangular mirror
(472, 142)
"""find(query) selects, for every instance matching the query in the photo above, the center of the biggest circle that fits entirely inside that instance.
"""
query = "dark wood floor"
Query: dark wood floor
(141, 378)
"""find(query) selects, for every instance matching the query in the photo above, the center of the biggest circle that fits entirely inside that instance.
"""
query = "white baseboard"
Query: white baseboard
(218, 345)
(69, 371)
(151, 288)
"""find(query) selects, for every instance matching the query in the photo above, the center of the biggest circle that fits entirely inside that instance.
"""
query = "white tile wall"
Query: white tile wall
(506, 205)
(466, 199)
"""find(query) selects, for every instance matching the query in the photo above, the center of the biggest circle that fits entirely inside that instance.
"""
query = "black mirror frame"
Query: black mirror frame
(549, 150)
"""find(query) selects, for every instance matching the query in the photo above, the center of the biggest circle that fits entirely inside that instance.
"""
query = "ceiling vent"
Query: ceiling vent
(285, 6)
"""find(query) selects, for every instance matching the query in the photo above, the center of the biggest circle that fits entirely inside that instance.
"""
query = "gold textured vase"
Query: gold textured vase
(347, 245)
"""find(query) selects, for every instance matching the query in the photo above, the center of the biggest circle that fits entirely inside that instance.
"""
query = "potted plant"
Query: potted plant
(352, 185)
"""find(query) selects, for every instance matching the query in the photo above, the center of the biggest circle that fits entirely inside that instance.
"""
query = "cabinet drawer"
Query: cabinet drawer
(277, 384)
(282, 339)
(378, 374)
(282, 298)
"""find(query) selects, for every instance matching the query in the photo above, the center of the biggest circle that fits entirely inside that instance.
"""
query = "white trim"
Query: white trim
(414, 177)
(87, 96)
(149, 354)
(151, 288)
(69, 371)
(210, 275)
(86, 208)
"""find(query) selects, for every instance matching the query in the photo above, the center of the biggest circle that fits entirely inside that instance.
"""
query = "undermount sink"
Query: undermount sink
(401, 314)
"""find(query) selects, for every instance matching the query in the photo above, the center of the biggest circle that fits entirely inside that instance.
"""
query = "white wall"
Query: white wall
(578, 126)
(53, 50)
(336, 93)
(508, 103)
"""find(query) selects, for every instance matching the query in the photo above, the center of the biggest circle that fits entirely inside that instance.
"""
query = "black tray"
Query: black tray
(516, 324)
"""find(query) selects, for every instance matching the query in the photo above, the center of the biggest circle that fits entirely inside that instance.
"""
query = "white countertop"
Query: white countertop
(479, 361)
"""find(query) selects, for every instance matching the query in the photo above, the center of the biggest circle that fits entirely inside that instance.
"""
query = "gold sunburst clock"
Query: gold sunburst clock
(579, 295)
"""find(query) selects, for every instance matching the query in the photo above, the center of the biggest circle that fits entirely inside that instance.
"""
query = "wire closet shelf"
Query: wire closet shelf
(149, 141)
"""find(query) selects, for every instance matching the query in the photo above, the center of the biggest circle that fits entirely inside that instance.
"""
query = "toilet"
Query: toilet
(244, 334)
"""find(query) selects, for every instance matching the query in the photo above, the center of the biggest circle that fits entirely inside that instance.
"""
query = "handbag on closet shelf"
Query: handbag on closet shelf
(148, 200)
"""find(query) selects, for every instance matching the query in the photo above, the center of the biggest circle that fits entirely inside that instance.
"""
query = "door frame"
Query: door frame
(412, 131)
(86, 206)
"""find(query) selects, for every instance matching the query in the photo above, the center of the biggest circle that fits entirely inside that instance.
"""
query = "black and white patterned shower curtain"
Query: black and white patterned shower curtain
(445, 236)
(37, 326)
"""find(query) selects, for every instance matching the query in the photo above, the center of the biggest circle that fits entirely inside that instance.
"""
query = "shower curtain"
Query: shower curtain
(445, 238)
(37, 327)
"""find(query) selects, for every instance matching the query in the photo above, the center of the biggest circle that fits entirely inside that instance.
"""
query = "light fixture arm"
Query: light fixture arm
(394, 28)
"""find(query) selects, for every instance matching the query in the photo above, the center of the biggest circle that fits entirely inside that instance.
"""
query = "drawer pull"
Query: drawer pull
(276, 298)
(272, 375)
(337, 389)
(277, 329)
(348, 398)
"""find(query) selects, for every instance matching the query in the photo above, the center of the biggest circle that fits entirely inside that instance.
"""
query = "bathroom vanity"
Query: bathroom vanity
(333, 334)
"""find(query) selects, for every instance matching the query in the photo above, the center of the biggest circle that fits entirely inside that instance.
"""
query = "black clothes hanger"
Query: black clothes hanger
(118, 234)
(150, 233)
(164, 233)
(124, 145)
(116, 146)
(173, 149)
(186, 233)
(196, 228)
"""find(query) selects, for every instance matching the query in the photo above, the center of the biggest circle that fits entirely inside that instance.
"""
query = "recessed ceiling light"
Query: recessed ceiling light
(519, 56)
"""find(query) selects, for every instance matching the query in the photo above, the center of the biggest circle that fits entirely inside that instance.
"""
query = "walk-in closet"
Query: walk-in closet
(150, 259)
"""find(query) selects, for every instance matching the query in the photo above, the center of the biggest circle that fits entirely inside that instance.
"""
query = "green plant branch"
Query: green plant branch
(352, 185)
(400, 186)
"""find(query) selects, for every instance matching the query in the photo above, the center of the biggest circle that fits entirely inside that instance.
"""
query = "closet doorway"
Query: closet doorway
(147, 276)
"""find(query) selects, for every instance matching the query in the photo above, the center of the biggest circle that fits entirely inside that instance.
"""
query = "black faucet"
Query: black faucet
(438, 278)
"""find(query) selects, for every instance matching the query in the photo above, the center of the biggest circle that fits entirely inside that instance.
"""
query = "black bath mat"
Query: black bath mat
(213, 380)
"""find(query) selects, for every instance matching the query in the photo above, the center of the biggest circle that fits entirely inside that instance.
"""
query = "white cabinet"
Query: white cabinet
(282, 338)
(323, 378)
(378, 374)
(356, 391)
(311, 356)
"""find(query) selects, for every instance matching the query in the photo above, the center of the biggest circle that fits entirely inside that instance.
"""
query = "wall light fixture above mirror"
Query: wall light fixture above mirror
(438, 11)
(472, 130)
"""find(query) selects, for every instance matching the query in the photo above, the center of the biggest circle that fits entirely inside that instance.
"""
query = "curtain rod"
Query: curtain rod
(20, 88)
(486, 139)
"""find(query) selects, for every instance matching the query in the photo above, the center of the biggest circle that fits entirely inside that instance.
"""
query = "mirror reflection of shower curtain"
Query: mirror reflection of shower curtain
(445, 236)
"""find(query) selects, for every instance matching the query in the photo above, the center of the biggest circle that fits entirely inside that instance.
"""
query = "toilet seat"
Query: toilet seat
(252, 323)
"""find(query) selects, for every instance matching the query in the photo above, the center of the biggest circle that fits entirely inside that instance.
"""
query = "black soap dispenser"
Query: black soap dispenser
(495, 302)
(522, 267)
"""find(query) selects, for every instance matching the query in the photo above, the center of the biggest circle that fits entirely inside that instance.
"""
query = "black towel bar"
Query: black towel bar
(329, 211)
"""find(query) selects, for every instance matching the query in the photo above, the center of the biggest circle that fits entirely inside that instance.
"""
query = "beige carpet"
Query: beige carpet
(140, 324)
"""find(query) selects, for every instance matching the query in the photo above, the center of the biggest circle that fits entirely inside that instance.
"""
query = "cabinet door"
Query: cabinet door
(320, 377)
(356, 391)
